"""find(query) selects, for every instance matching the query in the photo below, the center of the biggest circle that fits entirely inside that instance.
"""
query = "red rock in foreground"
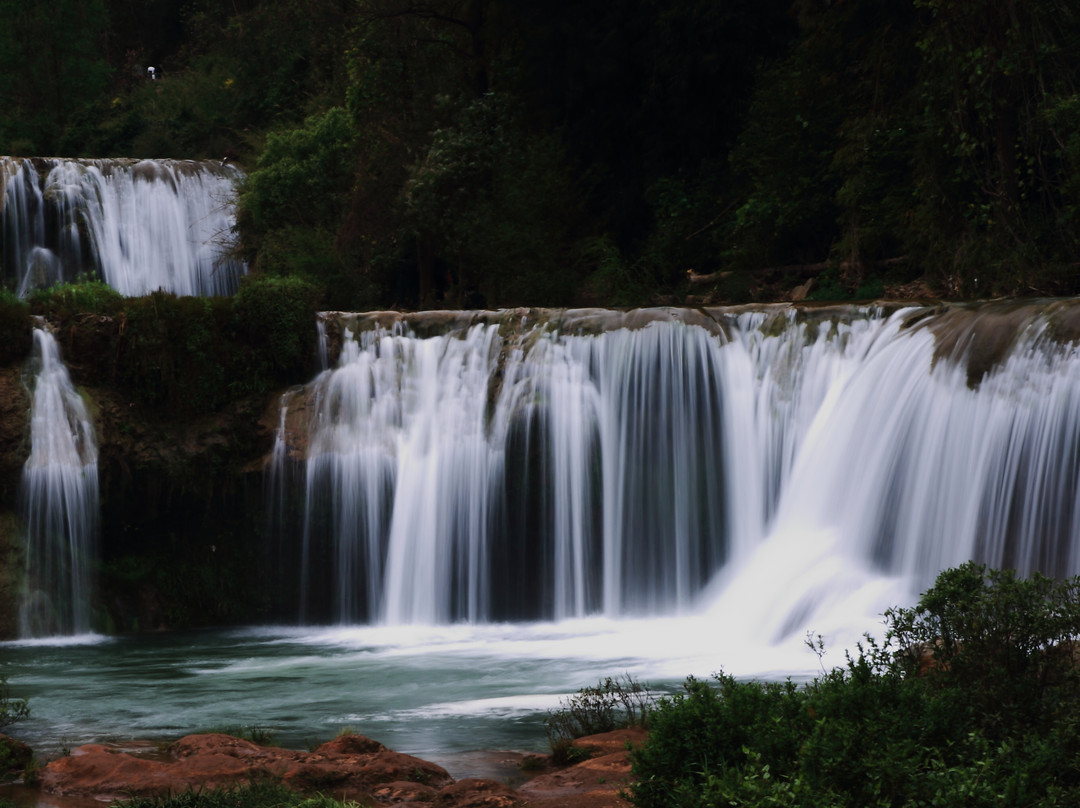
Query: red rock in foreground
(350, 767)
(593, 783)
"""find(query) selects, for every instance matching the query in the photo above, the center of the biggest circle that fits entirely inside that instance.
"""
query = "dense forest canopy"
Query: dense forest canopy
(498, 152)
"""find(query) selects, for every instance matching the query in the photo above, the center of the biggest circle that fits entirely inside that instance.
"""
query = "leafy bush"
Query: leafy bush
(14, 756)
(67, 299)
(277, 314)
(198, 354)
(971, 700)
(1004, 648)
(611, 704)
(173, 351)
(303, 175)
(712, 729)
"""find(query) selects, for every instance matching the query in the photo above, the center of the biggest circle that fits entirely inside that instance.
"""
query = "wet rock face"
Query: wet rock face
(351, 767)
(14, 449)
(14, 433)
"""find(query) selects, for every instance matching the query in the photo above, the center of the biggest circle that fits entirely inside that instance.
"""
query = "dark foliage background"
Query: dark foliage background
(495, 152)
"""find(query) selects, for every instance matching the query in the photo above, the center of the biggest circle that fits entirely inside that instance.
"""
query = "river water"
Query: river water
(435, 692)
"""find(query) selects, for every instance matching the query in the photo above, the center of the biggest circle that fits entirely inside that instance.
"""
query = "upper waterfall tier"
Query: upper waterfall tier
(139, 225)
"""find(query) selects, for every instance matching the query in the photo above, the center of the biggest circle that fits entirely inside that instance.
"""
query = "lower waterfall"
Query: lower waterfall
(478, 513)
(59, 501)
(779, 469)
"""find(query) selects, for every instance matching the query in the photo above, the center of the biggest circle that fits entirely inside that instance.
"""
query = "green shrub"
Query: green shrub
(1005, 648)
(714, 728)
(198, 354)
(971, 700)
(303, 176)
(276, 318)
(175, 351)
(611, 704)
(68, 299)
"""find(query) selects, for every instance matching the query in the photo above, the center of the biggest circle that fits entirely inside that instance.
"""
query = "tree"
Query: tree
(495, 201)
(52, 55)
(994, 168)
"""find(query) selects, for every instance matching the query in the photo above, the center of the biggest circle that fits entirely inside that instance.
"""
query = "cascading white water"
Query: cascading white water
(139, 225)
(59, 500)
(911, 466)
(797, 469)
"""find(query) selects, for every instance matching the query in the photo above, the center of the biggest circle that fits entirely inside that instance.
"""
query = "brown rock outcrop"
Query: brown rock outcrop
(346, 768)
(594, 783)
(351, 767)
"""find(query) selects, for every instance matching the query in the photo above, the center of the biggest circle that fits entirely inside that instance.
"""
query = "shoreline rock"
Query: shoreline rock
(351, 767)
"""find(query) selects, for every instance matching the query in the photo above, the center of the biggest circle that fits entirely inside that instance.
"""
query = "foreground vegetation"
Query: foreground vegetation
(495, 152)
(973, 699)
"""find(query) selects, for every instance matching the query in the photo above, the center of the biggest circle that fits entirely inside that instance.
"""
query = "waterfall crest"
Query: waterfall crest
(59, 500)
(139, 225)
(798, 466)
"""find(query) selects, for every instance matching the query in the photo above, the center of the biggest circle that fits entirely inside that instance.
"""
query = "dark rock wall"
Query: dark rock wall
(182, 503)
(14, 449)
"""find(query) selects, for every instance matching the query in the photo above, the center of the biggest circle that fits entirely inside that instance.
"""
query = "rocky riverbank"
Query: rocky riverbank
(351, 767)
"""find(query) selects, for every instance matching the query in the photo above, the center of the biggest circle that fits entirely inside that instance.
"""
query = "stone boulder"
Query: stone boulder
(351, 767)
(347, 768)
(598, 782)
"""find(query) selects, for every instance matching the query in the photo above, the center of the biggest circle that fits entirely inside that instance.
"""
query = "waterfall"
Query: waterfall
(138, 225)
(59, 500)
(791, 466)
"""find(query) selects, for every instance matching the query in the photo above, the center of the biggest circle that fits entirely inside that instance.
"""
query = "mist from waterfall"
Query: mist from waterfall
(58, 500)
(138, 225)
